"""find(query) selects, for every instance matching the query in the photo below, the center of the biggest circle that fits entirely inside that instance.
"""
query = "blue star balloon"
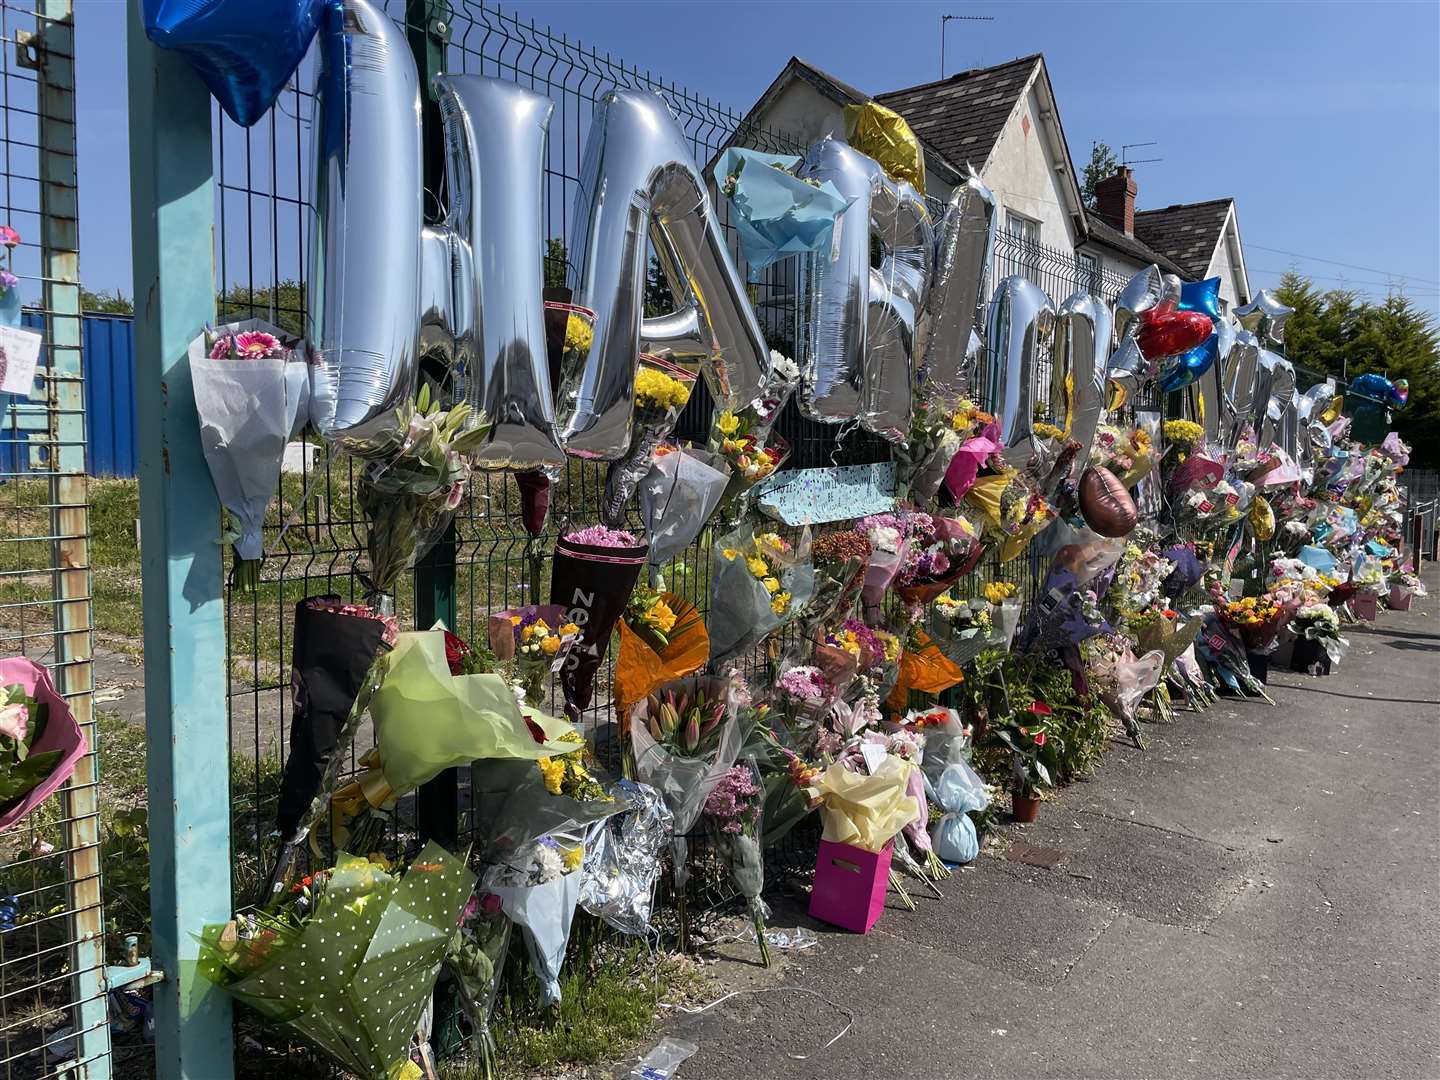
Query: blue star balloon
(1201, 296)
(245, 50)
(1180, 371)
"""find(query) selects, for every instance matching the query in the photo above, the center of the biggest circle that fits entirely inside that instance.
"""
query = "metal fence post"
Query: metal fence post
(172, 198)
(427, 28)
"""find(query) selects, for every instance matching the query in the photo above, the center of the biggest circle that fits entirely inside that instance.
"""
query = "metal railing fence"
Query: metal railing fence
(53, 1005)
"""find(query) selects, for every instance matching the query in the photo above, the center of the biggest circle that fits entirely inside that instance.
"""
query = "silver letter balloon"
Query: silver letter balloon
(363, 294)
(638, 180)
(1021, 321)
(492, 331)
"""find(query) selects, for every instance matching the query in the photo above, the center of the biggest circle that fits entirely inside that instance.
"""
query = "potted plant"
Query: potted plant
(1033, 757)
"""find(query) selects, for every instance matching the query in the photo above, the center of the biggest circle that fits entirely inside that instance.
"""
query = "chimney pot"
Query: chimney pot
(1115, 200)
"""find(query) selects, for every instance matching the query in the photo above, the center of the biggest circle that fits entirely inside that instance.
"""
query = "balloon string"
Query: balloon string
(840, 437)
(849, 1016)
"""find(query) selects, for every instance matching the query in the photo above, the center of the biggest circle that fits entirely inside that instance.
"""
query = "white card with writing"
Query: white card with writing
(874, 756)
(19, 349)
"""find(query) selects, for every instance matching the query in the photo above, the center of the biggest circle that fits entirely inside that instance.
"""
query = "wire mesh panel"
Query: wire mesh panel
(53, 1010)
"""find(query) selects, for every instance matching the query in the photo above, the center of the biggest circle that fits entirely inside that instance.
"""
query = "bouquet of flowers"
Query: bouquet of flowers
(939, 556)
(1319, 624)
(1063, 615)
(939, 426)
(40, 742)
(979, 442)
(348, 958)
(1183, 436)
(333, 655)
(410, 494)
(888, 536)
(535, 640)
(1164, 630)
(475, 960)
(777, 214)
(251, 394)
(684, 739)
(961, 627)
(1126, 452)
(622, 863)
(1256, 619)
(840, 559)
(1013, 508)
(759, 583)
(662, 638)
(677, 497)
(661, 391)
(734, 812)
(591, 577)
(745, 442)
(538, 886)
(1139, 581)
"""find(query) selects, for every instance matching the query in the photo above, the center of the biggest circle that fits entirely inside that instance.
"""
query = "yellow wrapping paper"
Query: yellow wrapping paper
(984, 495)
(866, 811)
(925, 669)
(884, 135)
(640, 669)
(427, 720)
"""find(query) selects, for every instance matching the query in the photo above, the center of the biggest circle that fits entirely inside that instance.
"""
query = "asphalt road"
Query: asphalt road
(1254, 896)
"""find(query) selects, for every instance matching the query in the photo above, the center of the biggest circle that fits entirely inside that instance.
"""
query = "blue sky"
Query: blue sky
(1321, 119)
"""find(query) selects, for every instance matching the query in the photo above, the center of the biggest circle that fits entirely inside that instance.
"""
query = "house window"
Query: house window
(1089, 272)
(1023, 234)
(1021, 228)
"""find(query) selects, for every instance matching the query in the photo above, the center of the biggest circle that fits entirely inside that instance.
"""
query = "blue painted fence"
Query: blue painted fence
(109, 360)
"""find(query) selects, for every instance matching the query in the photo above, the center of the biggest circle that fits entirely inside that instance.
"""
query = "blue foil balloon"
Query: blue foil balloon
(245, 50)
(1189, 366)
(1379, 388)
(1203, 296)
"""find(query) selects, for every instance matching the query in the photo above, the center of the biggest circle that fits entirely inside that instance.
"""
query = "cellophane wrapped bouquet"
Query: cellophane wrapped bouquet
(734, 814)
(661, 391)
(760, 581)
(1125, 451)
(743, 436)
(347, 958)
(411, 487)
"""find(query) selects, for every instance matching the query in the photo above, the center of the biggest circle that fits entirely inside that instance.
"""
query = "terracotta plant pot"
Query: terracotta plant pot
(1024, 807)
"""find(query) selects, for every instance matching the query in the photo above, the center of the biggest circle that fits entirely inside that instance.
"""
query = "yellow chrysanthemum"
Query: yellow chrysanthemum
(758, 566)
(730, 554)
(573, 857)
(578, 334)
(657, 390)
(779, 602)
(553, 771)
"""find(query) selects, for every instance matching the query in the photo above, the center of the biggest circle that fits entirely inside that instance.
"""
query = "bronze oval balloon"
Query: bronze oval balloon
(1105, 504)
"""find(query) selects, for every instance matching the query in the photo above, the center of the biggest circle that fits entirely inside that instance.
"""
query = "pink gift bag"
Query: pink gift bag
(850, 883)
(1365, 606)
(61, 733)
(1399, 598)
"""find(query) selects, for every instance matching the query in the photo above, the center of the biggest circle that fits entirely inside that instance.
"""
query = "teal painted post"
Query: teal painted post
(172, 199)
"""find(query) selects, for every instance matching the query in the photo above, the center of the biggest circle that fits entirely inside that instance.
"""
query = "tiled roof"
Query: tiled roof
(845, 89)
(1108, 236)
(1187, 233)
(962, 116)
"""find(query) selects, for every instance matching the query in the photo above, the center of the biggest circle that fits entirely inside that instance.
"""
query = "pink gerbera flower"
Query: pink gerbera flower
(256, 345)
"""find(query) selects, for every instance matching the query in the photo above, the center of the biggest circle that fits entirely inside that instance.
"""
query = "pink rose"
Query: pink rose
(15, 721)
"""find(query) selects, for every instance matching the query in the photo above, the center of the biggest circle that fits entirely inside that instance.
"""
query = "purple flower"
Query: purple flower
(8, 280)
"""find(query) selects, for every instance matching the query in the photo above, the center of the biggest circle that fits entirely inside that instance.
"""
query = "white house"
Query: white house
(1005, 123)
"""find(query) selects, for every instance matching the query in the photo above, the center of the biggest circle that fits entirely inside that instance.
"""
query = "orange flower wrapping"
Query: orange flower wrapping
(925, 669)
(640, 669)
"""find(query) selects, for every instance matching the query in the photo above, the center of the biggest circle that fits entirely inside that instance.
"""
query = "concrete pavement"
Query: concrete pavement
(1254, 896)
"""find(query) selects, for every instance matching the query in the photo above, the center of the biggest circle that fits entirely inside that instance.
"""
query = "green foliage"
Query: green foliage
(282, 304)
(103, 303)
(1102, 165)
(659, 300)
(556, 258)
(1336, 331)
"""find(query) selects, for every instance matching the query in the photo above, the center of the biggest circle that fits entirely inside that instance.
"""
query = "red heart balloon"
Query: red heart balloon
(1165, 331)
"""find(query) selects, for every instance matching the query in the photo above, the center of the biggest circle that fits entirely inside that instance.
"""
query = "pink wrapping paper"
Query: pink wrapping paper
(966, 463)
(61, 733)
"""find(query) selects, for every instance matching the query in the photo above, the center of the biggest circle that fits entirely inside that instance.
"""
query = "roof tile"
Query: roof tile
(1187, 232)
